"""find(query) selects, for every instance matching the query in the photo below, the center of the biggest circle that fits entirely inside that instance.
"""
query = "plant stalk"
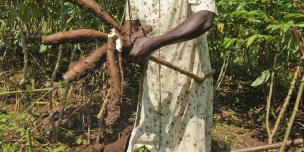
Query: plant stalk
(29, 140)
(285, 104)
(293, 115)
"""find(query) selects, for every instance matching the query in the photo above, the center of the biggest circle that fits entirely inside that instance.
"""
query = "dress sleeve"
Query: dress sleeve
(131, 10)
(199, 5)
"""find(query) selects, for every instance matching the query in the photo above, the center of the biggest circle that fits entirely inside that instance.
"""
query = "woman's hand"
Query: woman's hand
(143, 46)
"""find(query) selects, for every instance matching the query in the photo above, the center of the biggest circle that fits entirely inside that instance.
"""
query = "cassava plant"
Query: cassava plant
(104, 54)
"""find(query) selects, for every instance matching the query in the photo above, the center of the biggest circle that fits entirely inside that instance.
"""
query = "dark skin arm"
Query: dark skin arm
(194, 26)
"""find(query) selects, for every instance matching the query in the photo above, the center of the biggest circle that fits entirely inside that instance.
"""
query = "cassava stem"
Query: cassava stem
(293, 116)
(270, 146)
(175, 68)
(74, 36)
(98, 11)
(286, 102)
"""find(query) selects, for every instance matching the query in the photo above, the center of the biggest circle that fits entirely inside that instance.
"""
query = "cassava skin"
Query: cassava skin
(98, 11)
(81, 68)
(115, 94)
(74, 36)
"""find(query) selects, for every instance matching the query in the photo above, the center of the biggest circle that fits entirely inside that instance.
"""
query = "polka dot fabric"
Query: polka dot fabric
(176, 112)
(198, 5)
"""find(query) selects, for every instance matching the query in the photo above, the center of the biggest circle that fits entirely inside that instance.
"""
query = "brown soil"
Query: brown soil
(117, 146)
(89, 148)
(121, 143)
(114, 138)
(233, 127)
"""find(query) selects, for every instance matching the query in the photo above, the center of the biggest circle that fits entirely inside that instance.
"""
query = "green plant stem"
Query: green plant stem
(54, 75)
(25, 91)
(56, 69)
(59, 57)
(66, 92)
(268, 105)
(65, 96)
(100, 117)
(29, 140)
(293, 115)
(88, 113)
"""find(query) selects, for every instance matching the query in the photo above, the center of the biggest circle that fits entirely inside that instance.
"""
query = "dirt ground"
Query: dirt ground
(236, 123)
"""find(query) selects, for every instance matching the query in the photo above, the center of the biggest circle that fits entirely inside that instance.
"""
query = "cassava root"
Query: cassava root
(115, 95)
(98, 11)
(81, 68)
(74, 36)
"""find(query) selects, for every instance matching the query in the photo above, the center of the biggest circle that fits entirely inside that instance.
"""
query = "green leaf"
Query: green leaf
(293, 16)
(261, 79)
(43, 48)
(254, 20)
(61, 148)
(79, 141)
(8, 147)
(283, 26)
(239, 43)
(142, 149)
(229, 42)
(300, 25)
(29, 11)
(252, 39)
(25, 14)
(4, 118)
(1, 135)
(16, 41)
(239, 13)
(289, 43)
(267, 38)
(220, 27)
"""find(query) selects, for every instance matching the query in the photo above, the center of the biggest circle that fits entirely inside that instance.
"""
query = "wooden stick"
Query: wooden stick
(98, 11)
(142, 70)
(175, 68)
(74, 36)
(270, 146)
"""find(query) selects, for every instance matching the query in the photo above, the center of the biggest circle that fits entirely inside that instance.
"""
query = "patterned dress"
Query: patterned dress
(176, 112)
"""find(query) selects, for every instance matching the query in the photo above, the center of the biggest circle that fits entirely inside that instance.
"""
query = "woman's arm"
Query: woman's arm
(192, 27)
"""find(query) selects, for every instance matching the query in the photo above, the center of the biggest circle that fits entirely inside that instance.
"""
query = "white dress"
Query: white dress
(176, 112)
